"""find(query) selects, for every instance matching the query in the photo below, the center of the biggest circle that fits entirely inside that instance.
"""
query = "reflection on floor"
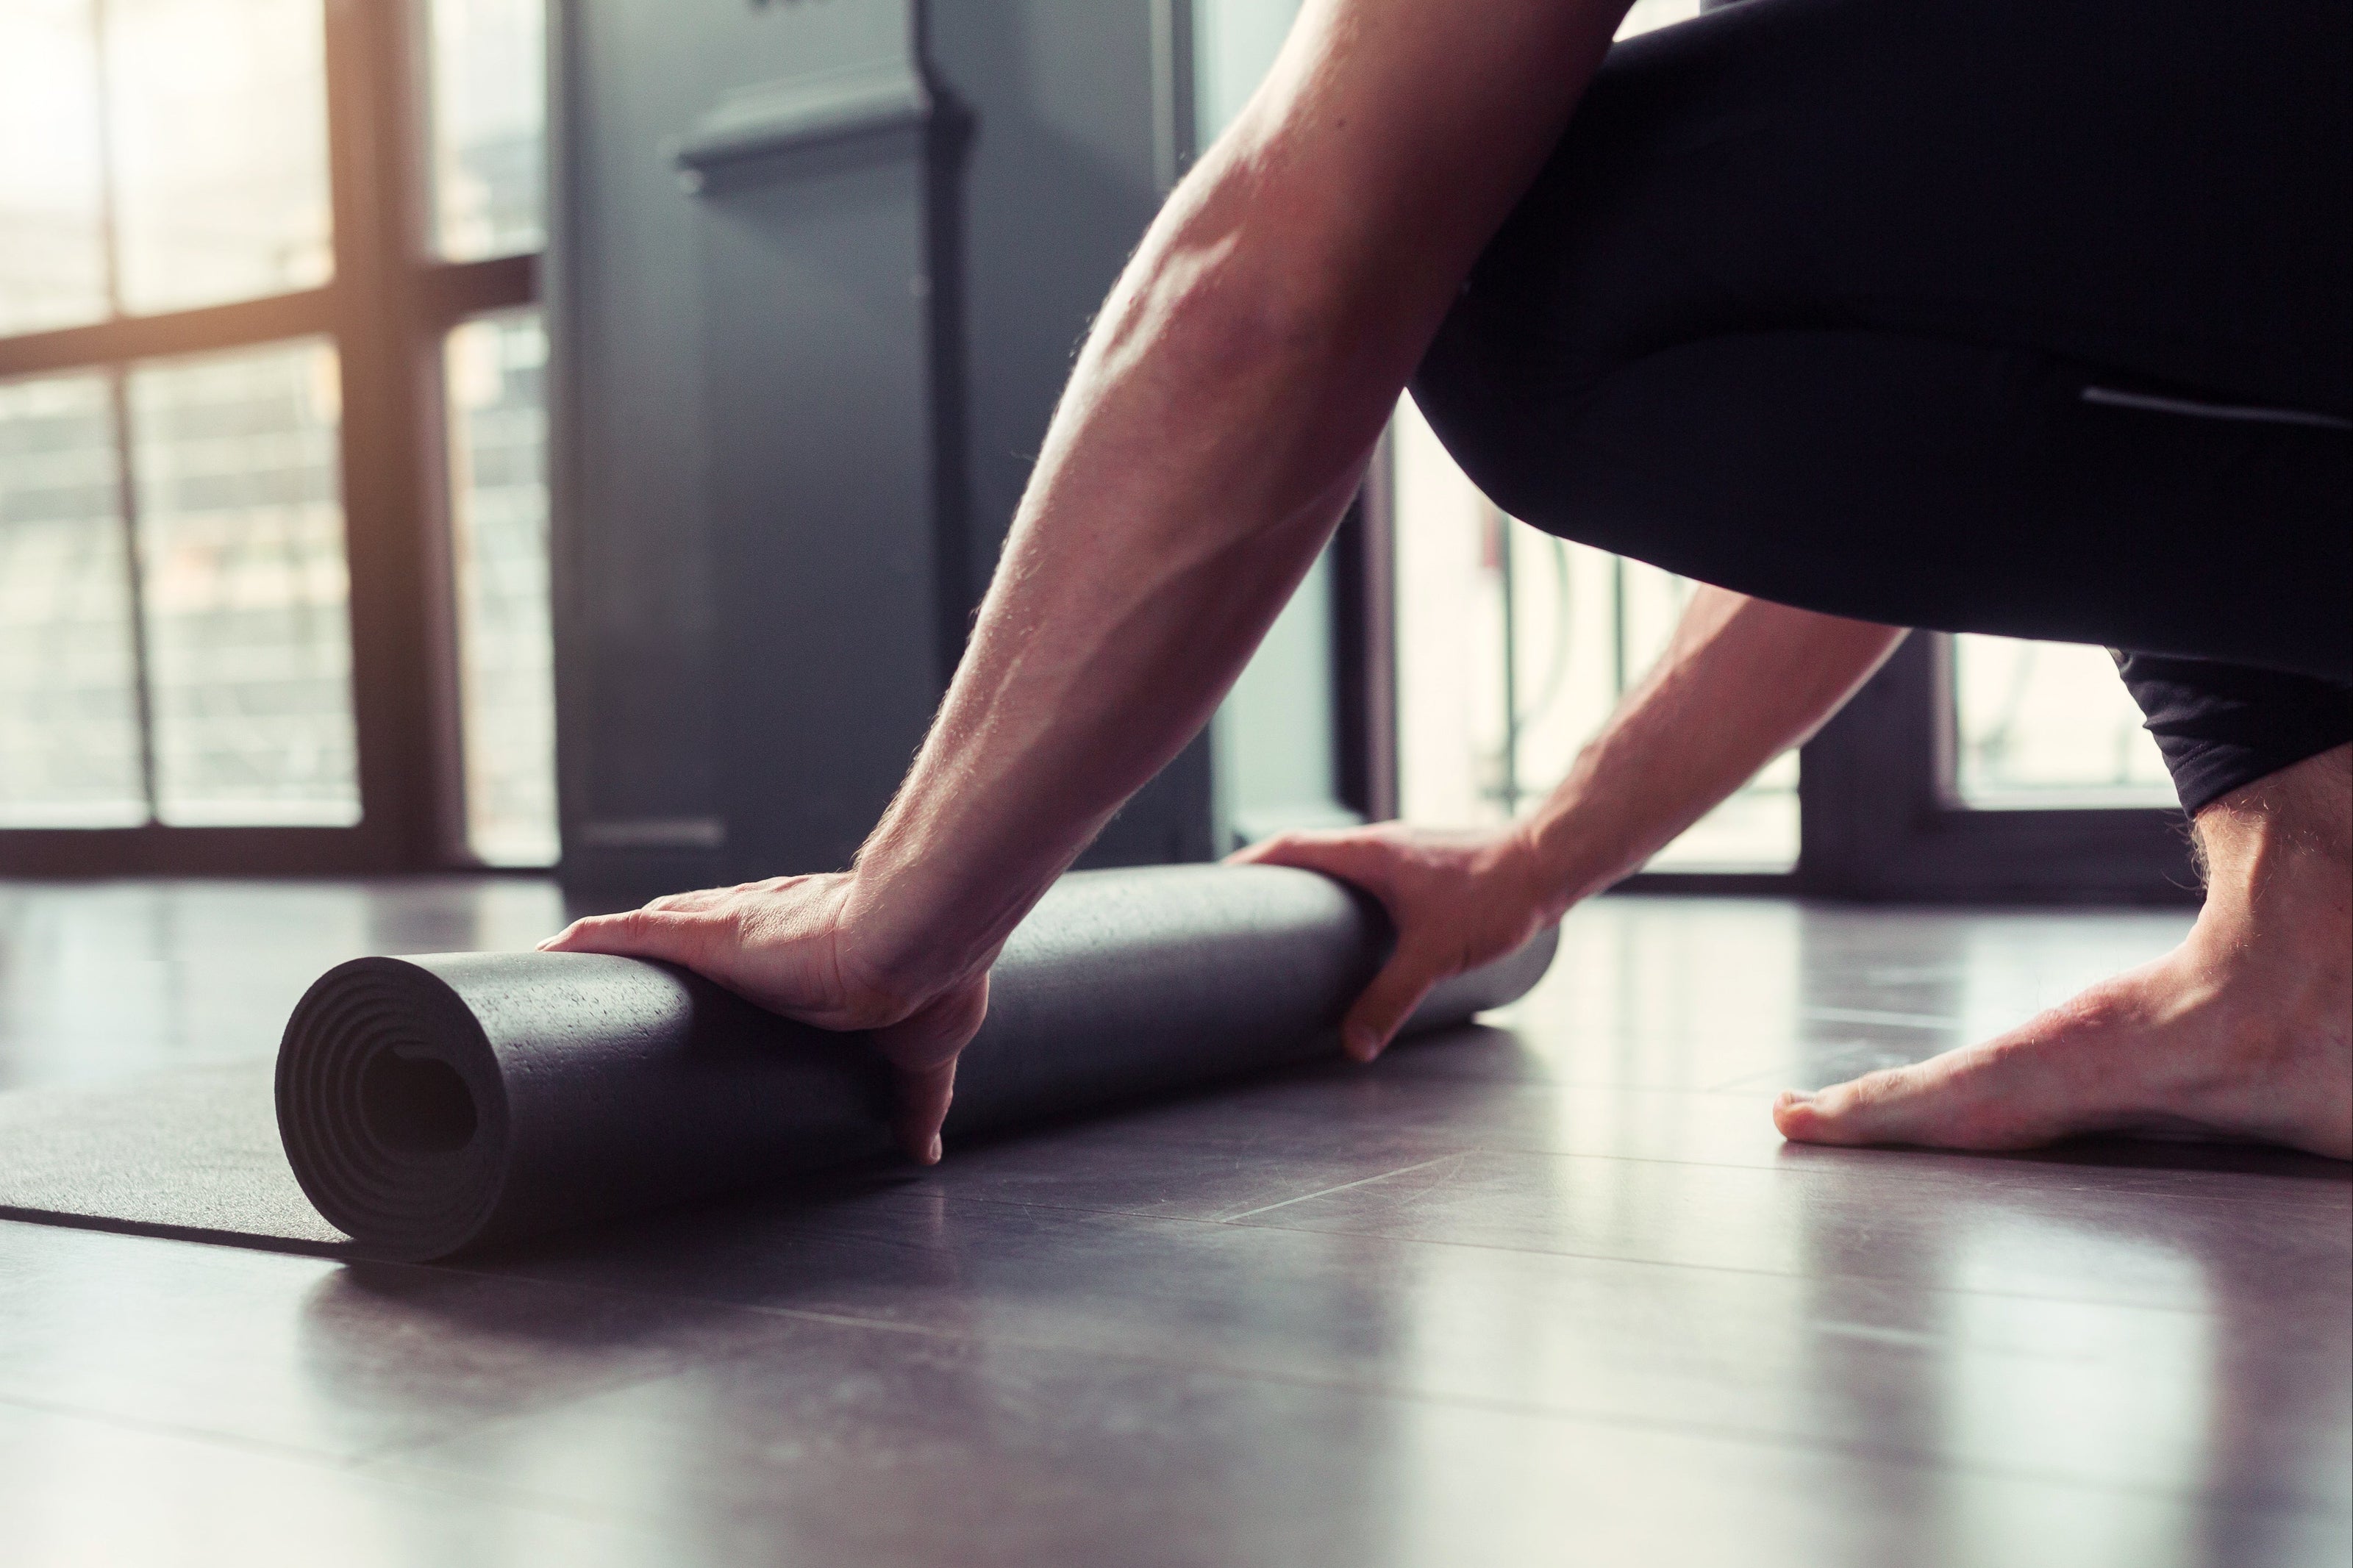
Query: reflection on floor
(1546, 1292)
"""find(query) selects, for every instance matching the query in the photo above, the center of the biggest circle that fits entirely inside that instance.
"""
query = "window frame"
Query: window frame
(388, 309)
(1880, 818)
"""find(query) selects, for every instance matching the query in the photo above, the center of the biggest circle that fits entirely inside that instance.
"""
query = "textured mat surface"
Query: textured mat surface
(190, 1152)
(438, 1103)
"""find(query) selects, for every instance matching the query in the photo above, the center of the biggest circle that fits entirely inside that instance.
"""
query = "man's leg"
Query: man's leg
(1984, 315)
(2244, 1030)
(1856, 305)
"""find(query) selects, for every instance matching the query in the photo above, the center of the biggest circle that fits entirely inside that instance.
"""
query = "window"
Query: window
(70, 751)
(244, 586)
(490, 108)
(222, 565)
(216, 134)
(1512, 648)
(497, 483)
(2042, 725)
(53, 260)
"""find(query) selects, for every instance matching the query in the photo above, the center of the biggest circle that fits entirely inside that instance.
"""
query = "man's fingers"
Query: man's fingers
(676, 937)
(1302, 849)
(922, 1049)
(1351, 857)
(922, 1100)
(1367, 861)
(1387, 1004)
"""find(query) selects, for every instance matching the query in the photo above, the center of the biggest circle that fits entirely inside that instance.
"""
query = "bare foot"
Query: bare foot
(2244, 1031)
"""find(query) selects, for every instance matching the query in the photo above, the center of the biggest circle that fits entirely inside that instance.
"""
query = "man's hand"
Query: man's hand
(1457, 899)
(786, 944)
(1741, 681)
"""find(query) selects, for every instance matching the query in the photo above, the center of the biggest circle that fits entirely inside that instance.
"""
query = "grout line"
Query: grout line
(1865, 1015)
(1752, 1271)
(389, 1467)
(358, 1466)
(317, 1459)
(1344, 1186)
(1876, 1281)
(671, 1366)
(2304, 1193)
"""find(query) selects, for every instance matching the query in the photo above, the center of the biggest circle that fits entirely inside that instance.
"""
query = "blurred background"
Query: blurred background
(469, 433)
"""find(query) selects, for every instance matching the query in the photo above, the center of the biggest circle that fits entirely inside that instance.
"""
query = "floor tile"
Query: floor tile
(849, 1446)
(301, 1354)
(1550, 1289)
(80, 1493)
(1999, 1226)
(2089, 1391)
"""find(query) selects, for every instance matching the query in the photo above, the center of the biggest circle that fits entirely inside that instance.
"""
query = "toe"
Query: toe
(1965, 1099)
(1880, 1107)
(1801, 1119)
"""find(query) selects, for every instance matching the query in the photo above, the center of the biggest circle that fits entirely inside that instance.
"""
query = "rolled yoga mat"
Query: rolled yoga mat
(429, 1105)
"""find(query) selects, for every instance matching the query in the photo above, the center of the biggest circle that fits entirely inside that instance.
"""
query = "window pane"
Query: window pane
(489, 123)
(1649, 15)
(52, 256)
(1584, 626)
(498, 438)
(2048, 724)
(241, 547)
(1234, 43)
(68, 705)
(218, 114)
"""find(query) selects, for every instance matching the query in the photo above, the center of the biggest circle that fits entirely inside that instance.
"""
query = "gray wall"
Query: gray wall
(1060, 182)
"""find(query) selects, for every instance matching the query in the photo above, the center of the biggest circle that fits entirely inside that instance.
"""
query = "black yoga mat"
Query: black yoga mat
(434, 1104)
(190, 1152)
(429, 1105)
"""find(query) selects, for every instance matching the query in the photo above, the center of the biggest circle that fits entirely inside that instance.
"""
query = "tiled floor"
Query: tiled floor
(1547, 1293)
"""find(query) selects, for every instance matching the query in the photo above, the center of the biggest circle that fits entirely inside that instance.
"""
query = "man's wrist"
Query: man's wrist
(892, 940)
(1570, 854)
(1525, 877)
(920, 926)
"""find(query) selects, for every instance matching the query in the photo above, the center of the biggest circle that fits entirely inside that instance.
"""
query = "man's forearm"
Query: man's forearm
(1201, 456)
(1214, 428)
(1741, 681)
